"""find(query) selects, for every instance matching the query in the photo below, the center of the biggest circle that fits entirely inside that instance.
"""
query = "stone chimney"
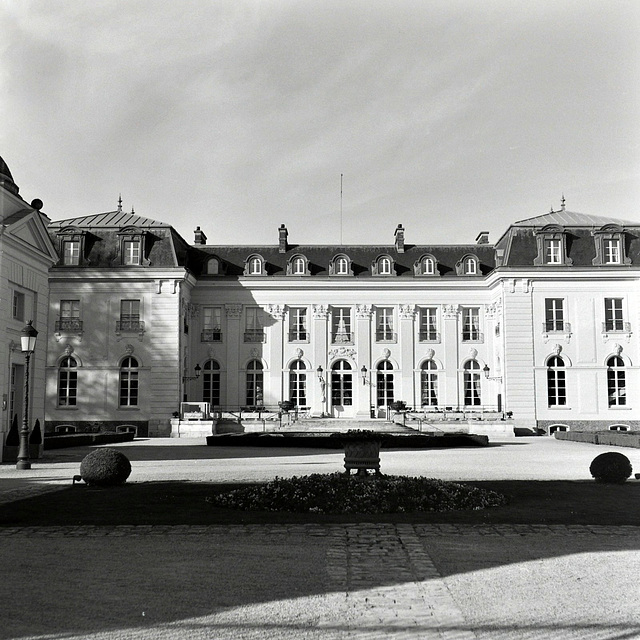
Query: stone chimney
(399, 233)
(200, 238)
(483, 238)
(282, 239)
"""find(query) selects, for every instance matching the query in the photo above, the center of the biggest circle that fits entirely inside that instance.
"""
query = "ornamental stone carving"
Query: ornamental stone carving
(386, 353)
(557, 349)
(407, 311)
(430, 353)
(450, 311)
(320, 311)
(617, 349)
(299, 353)
(276, 311)
(342, 352)
(363, 311)
(473, 353)
(129, 349)
(68, 350)
(233, 311)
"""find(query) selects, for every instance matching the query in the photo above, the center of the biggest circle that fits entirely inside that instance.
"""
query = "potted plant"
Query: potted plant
(286, 405)
(12, 443)
(361, 450)
(398, 405)
(35, 441)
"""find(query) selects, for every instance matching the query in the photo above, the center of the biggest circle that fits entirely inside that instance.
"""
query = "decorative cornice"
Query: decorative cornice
(321, 311)
(363, 311)
(233, 311)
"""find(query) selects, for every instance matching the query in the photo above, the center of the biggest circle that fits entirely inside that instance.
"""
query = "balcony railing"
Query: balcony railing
(429, 336)
(342, 337)
(255, 336)
(69, 324)
(613, 326)
(386, 336)
(211, 335)
(556, 326)
(472, 336)
(299, 336)
(133, 326)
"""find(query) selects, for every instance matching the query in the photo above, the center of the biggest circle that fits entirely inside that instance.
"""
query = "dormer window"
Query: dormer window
(254, 266)
(610, 248)
(426, 266)
(132, 245)
(383, 266)
(552, 247)
(298, 266)
(340, 266)
(469, 265)
(72, 246)
(213, 267)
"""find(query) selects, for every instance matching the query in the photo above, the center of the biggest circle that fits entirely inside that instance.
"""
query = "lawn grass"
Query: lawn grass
(184, 503)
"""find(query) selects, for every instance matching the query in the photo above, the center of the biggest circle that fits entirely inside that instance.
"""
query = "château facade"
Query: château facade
(543, 324)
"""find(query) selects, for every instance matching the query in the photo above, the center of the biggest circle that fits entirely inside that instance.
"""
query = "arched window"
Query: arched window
(383, 266)
(429, 383)
(67, 382)
(556, 382)
(470, 266)
(211, 383)
(340, 266)
(129, 382)
(255, 386)
(428, 266)
(299, 266)
(298, 383)
(254, 266)
(341, 384)
(472, 396)
(616, 382)
(213, 267)
(384, 384)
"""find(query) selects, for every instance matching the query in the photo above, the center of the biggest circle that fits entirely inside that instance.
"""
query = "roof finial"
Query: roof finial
(562, 202)
(132, 211)
(120, 203)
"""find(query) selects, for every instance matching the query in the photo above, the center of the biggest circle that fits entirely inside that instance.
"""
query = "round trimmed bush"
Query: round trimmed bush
(105, 468)
(611, 467)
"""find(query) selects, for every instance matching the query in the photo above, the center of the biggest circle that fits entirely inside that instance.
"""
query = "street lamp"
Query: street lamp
(28, 346)
(363, 372)
(197, 369)
(486, 370)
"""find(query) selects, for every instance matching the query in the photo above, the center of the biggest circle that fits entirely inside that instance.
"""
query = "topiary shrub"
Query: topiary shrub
(611, 467)
(13, 437)
(105, 467)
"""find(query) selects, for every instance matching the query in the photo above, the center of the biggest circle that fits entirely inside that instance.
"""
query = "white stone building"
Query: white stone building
(542, 325)
(26, 253)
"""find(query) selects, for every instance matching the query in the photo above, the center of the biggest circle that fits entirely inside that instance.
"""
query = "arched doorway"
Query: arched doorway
(341, 389)
(384, 386)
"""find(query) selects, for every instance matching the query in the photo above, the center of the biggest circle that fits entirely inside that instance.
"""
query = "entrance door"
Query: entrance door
(384, 386)
(341, 389)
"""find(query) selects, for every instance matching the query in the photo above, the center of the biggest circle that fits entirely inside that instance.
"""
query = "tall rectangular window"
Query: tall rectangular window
(553, 251)
(384, 324)
(341, 325)
(613, 320)
(131, 249)
(554, 314)
(612, 251)
(254, 325)
(298, 325)
(471, 324)
(428, 324)
(211, 324)
(17, 309)
(71, 252)
(69, 309)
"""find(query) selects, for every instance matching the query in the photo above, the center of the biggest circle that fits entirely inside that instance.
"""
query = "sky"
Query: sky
(340, 119)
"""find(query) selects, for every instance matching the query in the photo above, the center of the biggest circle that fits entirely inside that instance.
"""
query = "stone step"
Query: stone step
(341, 425)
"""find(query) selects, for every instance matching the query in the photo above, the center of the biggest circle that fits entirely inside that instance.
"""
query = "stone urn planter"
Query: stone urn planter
(361, 451)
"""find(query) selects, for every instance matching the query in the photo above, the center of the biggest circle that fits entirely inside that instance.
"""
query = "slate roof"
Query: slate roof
(361, 256)
(571, 219)
(110, 219)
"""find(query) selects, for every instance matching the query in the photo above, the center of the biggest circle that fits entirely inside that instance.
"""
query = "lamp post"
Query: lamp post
(28, 345)
(197, 370)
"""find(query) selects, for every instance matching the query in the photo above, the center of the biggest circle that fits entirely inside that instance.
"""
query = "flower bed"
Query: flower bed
(336, 493)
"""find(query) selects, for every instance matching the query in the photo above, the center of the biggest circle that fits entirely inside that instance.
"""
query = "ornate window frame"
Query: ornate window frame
(71, 234)
(133, 234)
(468, 265)
(220, 267)
(335, 263)
(295, 261)
(420, 266)
(552, 232)
(255, 265)
(612, 232)
(383, 266)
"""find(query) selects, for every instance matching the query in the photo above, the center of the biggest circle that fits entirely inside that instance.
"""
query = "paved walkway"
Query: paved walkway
(364, 581)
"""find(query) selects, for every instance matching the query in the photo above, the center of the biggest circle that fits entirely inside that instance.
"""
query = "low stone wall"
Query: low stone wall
(60, 427)
(85, 439)
(591, 426)
(609, 438)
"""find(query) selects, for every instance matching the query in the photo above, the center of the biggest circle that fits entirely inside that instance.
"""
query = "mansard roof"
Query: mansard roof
(362, 257)
(163, 245)
(565, 218)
